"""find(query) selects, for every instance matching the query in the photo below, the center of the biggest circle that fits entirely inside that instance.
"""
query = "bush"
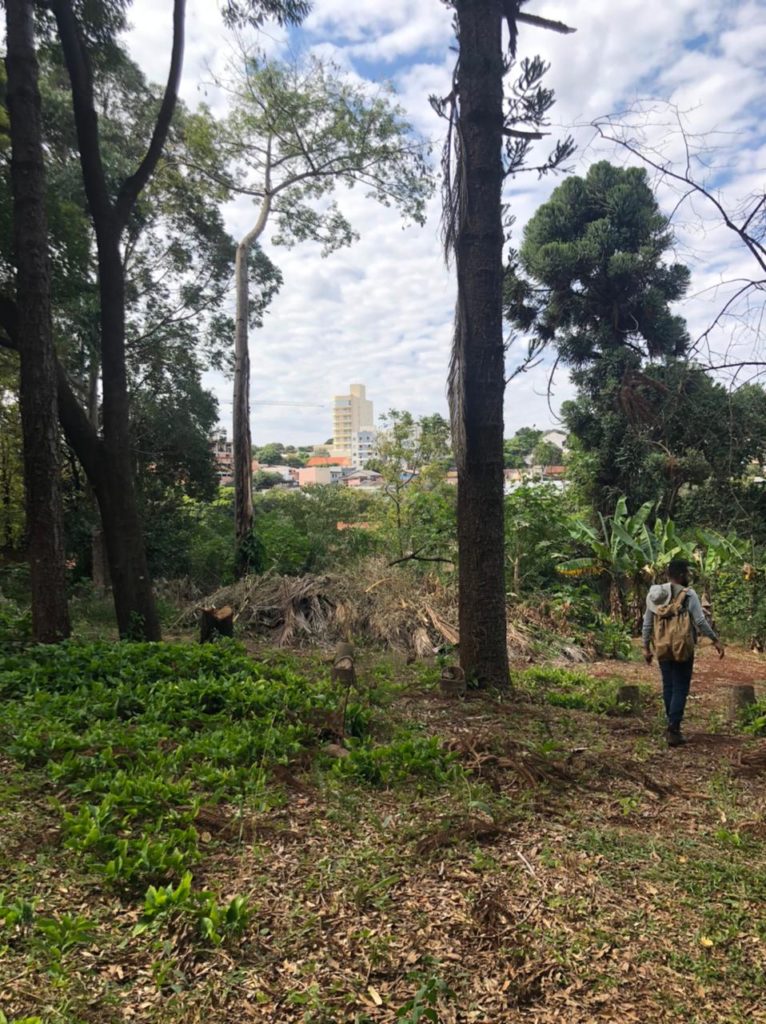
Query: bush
(15, 624)
(299, 529)
(739, 605)
(536, 528)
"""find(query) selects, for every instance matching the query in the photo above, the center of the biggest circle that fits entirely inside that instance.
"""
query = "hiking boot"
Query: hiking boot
(675, 737)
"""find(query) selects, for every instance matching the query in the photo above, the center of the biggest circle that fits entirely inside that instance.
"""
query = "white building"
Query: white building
(363, 447)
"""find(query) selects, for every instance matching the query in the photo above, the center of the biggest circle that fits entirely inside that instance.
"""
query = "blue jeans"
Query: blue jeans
(676, 680)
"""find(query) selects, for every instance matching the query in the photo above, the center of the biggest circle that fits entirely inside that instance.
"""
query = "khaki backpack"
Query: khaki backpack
(673, 634)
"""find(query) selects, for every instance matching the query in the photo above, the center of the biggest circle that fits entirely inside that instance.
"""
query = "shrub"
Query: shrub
(15, 625)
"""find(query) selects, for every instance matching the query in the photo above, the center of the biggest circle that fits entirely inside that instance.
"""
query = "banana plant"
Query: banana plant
(626, 553)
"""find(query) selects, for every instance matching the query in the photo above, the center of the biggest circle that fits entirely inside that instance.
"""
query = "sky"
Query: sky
(380, 312)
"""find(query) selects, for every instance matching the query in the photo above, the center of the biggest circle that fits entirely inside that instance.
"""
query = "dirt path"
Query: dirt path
(712, 678)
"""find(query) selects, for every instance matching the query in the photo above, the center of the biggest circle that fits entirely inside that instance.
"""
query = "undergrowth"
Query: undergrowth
(565, 688)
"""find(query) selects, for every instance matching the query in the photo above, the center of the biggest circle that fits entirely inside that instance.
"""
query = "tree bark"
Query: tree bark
(39, 412)
(115, 487)
(241, 435)
(477, 378)
(107, 461)
(99, 560)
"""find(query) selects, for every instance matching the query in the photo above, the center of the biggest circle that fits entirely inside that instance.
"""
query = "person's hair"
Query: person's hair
(677, 567)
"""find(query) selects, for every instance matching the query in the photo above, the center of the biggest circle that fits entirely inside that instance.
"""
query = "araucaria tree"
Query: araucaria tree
(594, 280)
(491, 130)
(32, 331)
(295, 134)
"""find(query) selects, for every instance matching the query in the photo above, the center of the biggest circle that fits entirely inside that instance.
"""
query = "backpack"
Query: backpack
(673, 634)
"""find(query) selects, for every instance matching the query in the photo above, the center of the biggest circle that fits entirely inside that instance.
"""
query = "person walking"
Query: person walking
(673, 621)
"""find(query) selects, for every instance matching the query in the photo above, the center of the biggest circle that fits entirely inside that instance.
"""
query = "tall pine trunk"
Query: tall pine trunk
(477, 381)
(39, 410)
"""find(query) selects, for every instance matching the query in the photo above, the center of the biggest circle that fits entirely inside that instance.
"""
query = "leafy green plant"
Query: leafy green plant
(16, 917)
(565, 688)
(215, 924)
(424, 1005)
(408, 757)
(15, 624)
(56, 936)
(754, 718)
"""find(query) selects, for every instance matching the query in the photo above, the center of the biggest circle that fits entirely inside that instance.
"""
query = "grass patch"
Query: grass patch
(177, 845)
(566, 688)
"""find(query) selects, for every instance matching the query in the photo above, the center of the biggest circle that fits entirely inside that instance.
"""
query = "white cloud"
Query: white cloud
(381, 312)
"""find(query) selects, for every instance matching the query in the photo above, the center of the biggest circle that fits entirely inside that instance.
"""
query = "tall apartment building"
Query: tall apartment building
(363, 445)
(351, 413)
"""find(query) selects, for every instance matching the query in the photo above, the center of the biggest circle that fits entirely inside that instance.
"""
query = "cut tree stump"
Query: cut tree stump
(343, 668)
(741, 696)
(215, 622)
(628, 699)
(452, 682)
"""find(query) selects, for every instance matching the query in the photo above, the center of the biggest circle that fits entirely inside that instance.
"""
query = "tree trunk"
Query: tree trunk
(39, 412)
(99, 561)
(115, 486)
(477, 378)
(108, 461)
(243, 458)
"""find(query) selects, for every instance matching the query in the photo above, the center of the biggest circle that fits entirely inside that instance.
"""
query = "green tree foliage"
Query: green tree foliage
(519, 448)
(270, 454)
(299, 530)
(536, 529)
(592, 278)
(296, 133)
(591, 274)
(545, 453)
(673, 428)
(413, 455)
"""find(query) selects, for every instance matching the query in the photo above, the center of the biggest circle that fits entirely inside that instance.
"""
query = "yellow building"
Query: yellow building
(351, 413)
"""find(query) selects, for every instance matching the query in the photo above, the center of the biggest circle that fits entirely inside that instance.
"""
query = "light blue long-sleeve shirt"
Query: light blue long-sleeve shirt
(662, 594)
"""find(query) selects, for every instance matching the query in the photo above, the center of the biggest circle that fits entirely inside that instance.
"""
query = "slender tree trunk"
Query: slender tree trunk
(241, 434)
(39, 412)
(108, 461)
(242, 438)
(99, 561)
(115, 487)
(477, 378)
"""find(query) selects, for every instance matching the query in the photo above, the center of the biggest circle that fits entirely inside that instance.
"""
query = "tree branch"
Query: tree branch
(548, 23)
(86, 119)
(80, 433)
(516, 133)
(132, 186)
(415, 556)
